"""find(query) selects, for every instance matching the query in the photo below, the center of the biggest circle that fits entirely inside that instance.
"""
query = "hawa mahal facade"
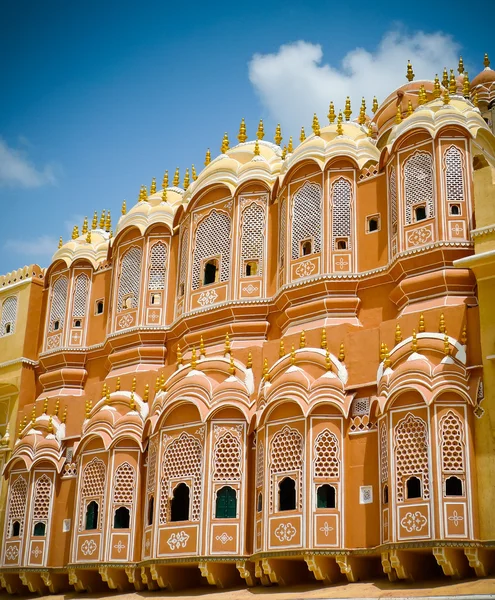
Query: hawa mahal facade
(274, 373)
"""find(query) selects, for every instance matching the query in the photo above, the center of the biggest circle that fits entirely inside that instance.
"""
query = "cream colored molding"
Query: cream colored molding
(483, 231)
(21, 360)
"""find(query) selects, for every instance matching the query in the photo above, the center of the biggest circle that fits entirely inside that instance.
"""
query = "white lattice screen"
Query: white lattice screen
(151, 467)
(182, 458)
(253, 234)
(286, 456)
(59, 300)
(124, 484)
(360, 407)
(158, 266)
(306, 217)
(282, 234)
(260, 466)
(454, 174)
(227, 459)
(418, 184)
(130, 278)
(81, 286)
(184, 248)
(383, 452)
(341, 210)
(411, 453)
(93, 488)
(452, 441)
(17, 504)
(42, 497)
(392, 190)
(327, 455)
(212, 239)
(9, 315)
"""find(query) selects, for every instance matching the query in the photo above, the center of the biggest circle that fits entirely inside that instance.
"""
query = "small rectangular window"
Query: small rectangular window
(250, 268)
(455, 210)
(306, 248)
(341, 243)
(156, 299)
(420, 213)
(372, 223)
(99, 307)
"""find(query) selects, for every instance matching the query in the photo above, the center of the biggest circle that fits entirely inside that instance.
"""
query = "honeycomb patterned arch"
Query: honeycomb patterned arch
(9, 315)
(326, 462)
(341, 210)
(93, 488)
(184, 249)
(453, 159)
(227, 458)
(183, 457)
(452, 443)
(42, 498)
(260, 464)
(129, 277)
(213, 238)
(124, 485)
(80, 301)
(411, 453)
(253, 234)
(418, 184)
(151, 475)
(286, 456)
(392, 191)
(17, 504)
(383, 452)
(306, 217)
(282, 240)
(58, 303)
(158, 266)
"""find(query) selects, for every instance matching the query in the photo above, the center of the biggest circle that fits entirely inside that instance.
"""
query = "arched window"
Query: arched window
(453, 486)
(252, 239)
(411, 455)
(418, 186)
(210, 272)
(306, 248)
(325, 496)
(286, 457)
(17, 506)
(454, 174)
(212, 239)
(179, 510)
(385, 494)
(158, 266)
(306, 218)
(92, 515)
(226, 505)
(341, 214)
(59, 300)
(129, 279)
(39, 529)
(41, 504)
(151, 509)
(9, 315)
(260, 502)
(80, 302)
(184, 248)
(392, 190)
(16, 529)
(121, 518)
(287, 494)
(413, 488)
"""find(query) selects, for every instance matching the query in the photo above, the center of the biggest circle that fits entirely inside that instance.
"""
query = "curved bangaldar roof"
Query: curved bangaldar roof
(92, 247)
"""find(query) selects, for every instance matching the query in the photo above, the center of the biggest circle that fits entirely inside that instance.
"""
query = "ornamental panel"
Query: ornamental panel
(81, 287)
(306, 217)
(158, 266)
(9, 316)
(411, 454)
(129, 279)
(58, 305)
(341, 211)
(454, 174)
(212, 239)
(253, 235)
(418, 184)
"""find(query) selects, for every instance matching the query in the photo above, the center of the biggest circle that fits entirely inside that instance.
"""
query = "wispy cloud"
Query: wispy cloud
(293, 83)
(17, 170)
(43, 246)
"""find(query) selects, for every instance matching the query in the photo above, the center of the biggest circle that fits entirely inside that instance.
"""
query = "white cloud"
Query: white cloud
(35, 248)
(294, 82)
(17, 170)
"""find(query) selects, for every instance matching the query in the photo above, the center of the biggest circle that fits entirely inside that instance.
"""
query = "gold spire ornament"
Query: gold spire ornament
(466, 86)
(145, 194)
(410, 109)
(414, 342)
(331, 114)
(193, 173)
(157, 385)
(398, 116)
(207, 157)
(386, 360)
(452, 83)
(33, 415)
(475, 99)
(88, 237)
(101, 224)
(441, 326)
(60, 242)
(316, 125)
(284, 152)
(104, 389)
(382, 351)
(117, 385)
(64, 416)
(266, 375)
(108, 222)
(278, 135)
(328, 361)
(446, 96)
(341, 352)
(85, 226)
(410, 72)
(347, 110)
(369, 133)
(374, 107)
(362, 112)
(75, 232)
(194, 358)
(186, 180)
(422, 95)
(256, 151)
(446, 345)
(94, 224)
(292, 355)
(436, 87)
(260, 134)
(225, 144)
(281, 349)
(153, 186)
(57, 408)
(290, 147)
(302, 339)
(176, 180)
(132, 402)
(133, 386)
(421, 327)
(460, 66)
(398, 334)
(242, 135)
(249, 364)
(107, 396)
(179, 356)
(445, 78)
(165, 181)
(464, 336)
(164, 194)
(45, 406)
(340, 129)
(302, 137)
(202, 349)
(232, 366)
(124, 208)
(323, 344)
(162, 381)
(227, 349)
(486, 61)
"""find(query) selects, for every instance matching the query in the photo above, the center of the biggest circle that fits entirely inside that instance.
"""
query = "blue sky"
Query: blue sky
(99, 97)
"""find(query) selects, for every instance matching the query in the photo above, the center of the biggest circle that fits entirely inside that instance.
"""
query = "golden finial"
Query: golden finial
(60, 242)
(162, 381)
(249, 364)
(281, 349)
(266, 375)
(452, 83)
(242, 136)
(256, 148)
(323, 343)
(421, 327)
(398, 334)
(141, 194)
(331, 113)
(386, 359)
(124, 208)
(104, 389)
(410, 109)
(225, 144)
(374, 108)
(45, 406)
(164, 194)
(57, 407)
(202, 349)
(464, 335)
(194, 358)
(110, 234)
(153, 186)
(369, 133)
(88, 237)
(441, 326)
(278, 135)
(19, 432)
(341, 352)
(475, 99)
(108, 222)
(176, 180)
(446, 345)
(302, 339)
(87, 410)
(328, 361)
(436, 88)
(340, 129)
(231, 365)
(227, 344)
(133, 386)
(64, 416)
(186, 180)
(85, 226)
(146, 392)
(107, 395)
(382, 351)
(260, 134)
(101, 224)
(422, 95)
(486, 61)
(290, 147)
(132, 402)
(446, 96)
(362, 112)
(165, 181)
(316, 125)
(157, 384)
(414, 343)
(75, 232)
(398, 116)
(207, 157)
(284, 152)
(460, 66)
(33, 415)
(117, 385)
(445, 77)
(179, 356)
(410, 72)
(302, 137)
(347, 110)
(94, 224)
(292, 355)
(193, 173)
(466, 86)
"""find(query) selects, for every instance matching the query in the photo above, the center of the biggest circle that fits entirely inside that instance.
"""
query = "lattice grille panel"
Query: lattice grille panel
(360, 407)
(80, 296)
(418, 184)
(260, 466)
(59, 299)
(306, 217)
(282, 234)
(452, 438)
(152, 466)
(182, 458)
(341, 210)
(184, 247)
(393, 198)
(383, 453)
(9, 315)
(286, 456)
(454, 174)
(253, 234)
(212, 239)
(124, 484)
(327, 455)
(130, 278)
(17, 503)
(158, 266)
(411, 453)
(93, 486)
(42, 496)
(227, 459)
